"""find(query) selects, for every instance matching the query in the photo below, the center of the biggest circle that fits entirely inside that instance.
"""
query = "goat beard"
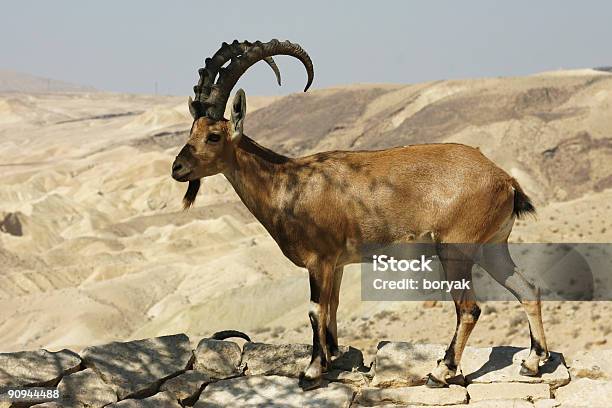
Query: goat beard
(191, 194)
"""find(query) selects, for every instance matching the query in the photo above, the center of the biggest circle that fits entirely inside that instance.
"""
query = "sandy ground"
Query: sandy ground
(94, 246)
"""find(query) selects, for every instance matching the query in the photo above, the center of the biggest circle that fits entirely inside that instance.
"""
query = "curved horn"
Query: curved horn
(211, 69)
(272, 64)
(213, 97)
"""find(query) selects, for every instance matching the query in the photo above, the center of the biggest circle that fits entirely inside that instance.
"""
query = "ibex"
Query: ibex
(321, 208)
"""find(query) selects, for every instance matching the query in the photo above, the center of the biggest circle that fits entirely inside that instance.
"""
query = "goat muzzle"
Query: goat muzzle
(180, 170)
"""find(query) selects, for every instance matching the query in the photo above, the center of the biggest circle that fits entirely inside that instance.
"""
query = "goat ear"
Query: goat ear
(238, 114)
(192, 108)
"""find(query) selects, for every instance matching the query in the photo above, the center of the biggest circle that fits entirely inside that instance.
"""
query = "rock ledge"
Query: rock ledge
(165, 371)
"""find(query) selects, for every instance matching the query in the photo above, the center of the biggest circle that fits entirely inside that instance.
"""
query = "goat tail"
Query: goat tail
(522, 203)
(226, 334)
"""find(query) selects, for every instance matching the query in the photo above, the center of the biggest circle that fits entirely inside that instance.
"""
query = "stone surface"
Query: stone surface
(218, 358)
(546, 403)
(585, 392)
(160, 400)
(272, 391)
(499, 403)
(161, 372)
(36, 368)
(596, 365)
(346, 377)
(87, 387)
(524, 391)
(418, 395)
(292, 359)
(479, 404)
(503, 364)
(186, 387)
(135, 369)
(401, 364)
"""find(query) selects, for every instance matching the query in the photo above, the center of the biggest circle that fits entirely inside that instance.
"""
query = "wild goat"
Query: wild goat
(321, 208)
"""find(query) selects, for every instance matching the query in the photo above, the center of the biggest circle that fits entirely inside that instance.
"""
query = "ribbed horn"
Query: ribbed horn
(212, 97)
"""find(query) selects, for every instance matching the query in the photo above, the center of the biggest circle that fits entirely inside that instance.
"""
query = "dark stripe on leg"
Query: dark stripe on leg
(332, 343)
(315, 298)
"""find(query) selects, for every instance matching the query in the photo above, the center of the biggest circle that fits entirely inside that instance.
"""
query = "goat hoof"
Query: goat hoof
(528, 372)
(433, 382)
(307, 384)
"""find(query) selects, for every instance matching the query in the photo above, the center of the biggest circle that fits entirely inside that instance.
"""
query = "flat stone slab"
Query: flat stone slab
(272, 391)
(287, 360)
(355, 378)
(186, 387)
(39, 368)
(290, 360)
(546, 403)
(508, 391)
(596, 364)
(86, 388)
(585, 392)
(479, 404)
(162, 399)
(218, 358)
(417, 395)
(499, 403)
(404, 364)
(135, 369)
(503, 364)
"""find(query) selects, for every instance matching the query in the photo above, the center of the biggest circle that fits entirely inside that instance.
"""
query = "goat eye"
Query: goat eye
(213, 138)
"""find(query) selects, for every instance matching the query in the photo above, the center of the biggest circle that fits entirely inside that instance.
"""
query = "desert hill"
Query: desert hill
(94, 246)
(12, 81)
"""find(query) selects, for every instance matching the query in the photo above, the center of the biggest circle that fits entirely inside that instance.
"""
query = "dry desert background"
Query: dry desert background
(94, 246)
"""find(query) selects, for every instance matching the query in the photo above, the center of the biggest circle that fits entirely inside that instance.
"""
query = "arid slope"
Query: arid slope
(94, 246)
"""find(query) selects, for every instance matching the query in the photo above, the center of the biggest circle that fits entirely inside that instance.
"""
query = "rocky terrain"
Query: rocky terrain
(168, 372)
(94, 246)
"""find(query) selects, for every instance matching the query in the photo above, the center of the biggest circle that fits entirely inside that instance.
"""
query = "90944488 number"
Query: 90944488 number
(30, 394)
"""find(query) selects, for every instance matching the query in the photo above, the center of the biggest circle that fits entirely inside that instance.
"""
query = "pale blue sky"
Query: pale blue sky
(126, 46)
